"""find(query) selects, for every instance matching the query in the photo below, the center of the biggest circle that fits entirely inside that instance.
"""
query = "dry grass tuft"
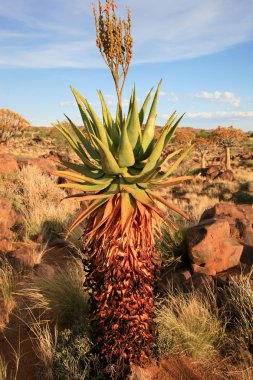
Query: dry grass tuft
(8, 282)
(37, 197)
(44, 344)
(198, 204)
(239, 308)
(62, 293)
(3, 369)
(42, 206)
(187, 326)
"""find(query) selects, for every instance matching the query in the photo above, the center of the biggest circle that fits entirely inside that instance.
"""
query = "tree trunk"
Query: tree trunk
(227, 158)
(121, 273)
(203, 160)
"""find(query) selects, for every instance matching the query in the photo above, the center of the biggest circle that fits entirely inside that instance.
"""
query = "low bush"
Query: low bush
(72, 354)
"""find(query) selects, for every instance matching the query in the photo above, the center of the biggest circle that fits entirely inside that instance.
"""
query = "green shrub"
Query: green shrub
(71, 359)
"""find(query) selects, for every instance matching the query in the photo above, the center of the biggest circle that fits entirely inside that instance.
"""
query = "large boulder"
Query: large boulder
(239, 218)
(211, 249)
(8, 164)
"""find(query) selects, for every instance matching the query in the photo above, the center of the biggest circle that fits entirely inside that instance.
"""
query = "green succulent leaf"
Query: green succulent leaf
(133, 126)
(108, 121)
(108, 162)
(85, 187)
(149, 130)
(92, 151)
(144, 107)
(76, 146)
(126, 154)
(100, 131)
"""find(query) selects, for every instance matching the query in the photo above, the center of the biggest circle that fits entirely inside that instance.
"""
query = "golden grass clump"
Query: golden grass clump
(3, 368)
(8, 282)
(61, 293)
(44, 344)
(36, 196)
(187, 326)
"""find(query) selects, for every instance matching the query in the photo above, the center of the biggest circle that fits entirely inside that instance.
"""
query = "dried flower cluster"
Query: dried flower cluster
(115, 42)
(11, 123)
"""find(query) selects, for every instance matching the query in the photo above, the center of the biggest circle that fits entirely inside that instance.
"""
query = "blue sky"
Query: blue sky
(203, 50)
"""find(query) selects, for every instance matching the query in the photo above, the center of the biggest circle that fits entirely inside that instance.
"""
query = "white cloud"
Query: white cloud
(125, 103)
(112, 100)
(218, 96)
(62, 33)
(205, 115)
(173, 98)
(222, 114)
(67, 103)
(162, 93)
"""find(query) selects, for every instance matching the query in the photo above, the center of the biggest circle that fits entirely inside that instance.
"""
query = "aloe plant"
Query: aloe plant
(120, 171)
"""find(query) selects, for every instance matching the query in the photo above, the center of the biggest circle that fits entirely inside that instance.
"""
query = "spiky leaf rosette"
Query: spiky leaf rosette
(120, 171)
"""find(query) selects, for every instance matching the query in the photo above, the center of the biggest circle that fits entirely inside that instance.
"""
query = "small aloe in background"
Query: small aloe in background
(119, 172)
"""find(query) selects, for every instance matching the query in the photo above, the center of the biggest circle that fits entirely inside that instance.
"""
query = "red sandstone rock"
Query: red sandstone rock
(227, 175)
(44, 164)
(239, 217)
(8, 219)
(8, 164)
(210, 247)
(213, 172)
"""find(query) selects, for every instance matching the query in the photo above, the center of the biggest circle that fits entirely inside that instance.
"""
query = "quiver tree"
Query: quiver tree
(120, 171)
(227, 137)
(184, 137)
(10, 124)
(203, 145)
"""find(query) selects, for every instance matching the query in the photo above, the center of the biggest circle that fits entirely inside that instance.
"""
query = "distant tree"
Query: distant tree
(203, 145)
(227, 137)
(202, 133)
(10, 124)
(184, 137)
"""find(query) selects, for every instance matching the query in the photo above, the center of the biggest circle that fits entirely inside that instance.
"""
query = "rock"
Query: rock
(239, 217)
(213, 172)
(45, 165)
(210, 247)
(8, 164)
(8, 219)
(227, 175)
(23, 256)
(174, 279)
(198, 281)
